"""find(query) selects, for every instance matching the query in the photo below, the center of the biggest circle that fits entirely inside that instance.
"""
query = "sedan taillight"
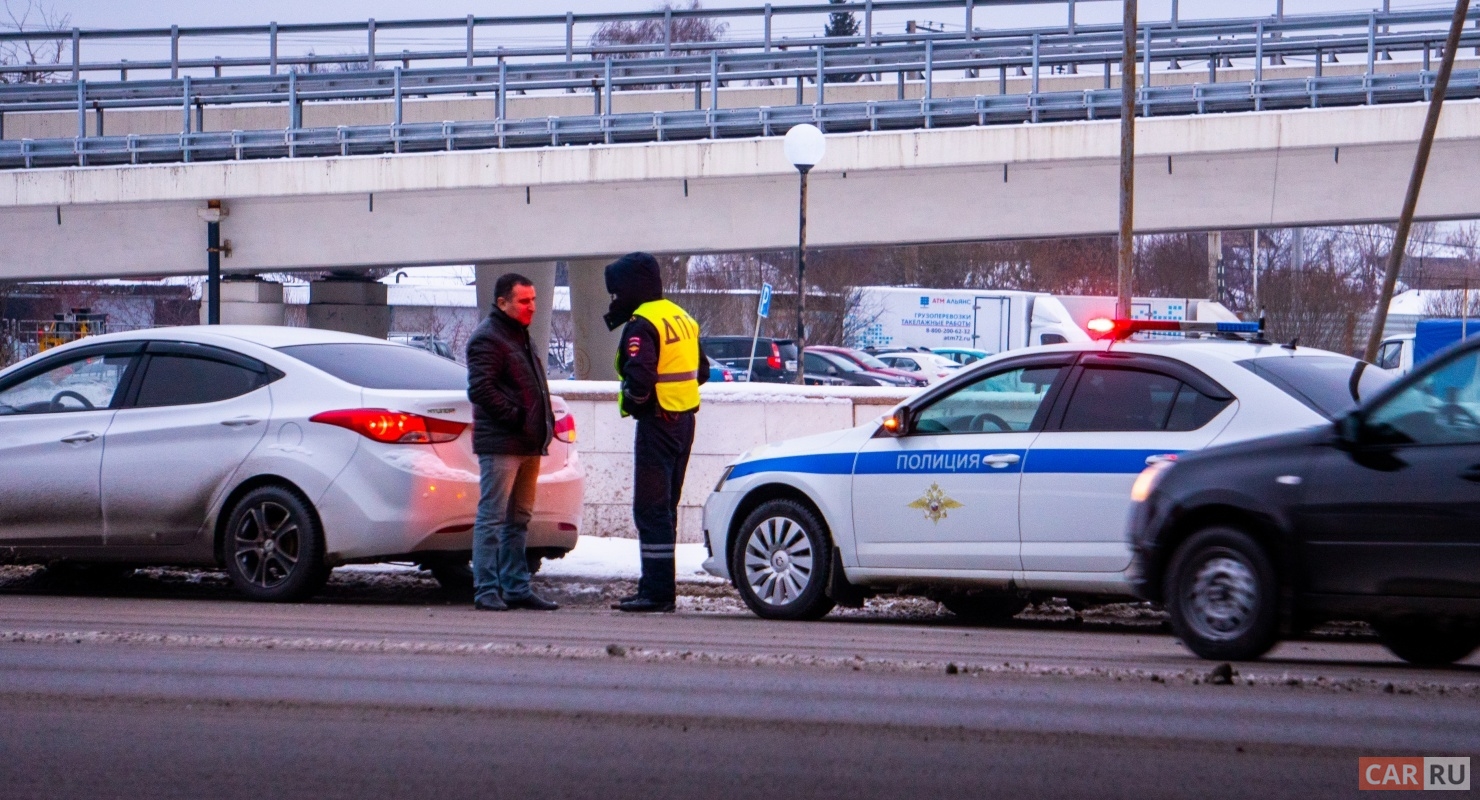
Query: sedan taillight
(392, 427)
(565, 429)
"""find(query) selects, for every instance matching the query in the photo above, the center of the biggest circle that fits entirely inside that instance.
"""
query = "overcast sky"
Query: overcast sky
(163, 13)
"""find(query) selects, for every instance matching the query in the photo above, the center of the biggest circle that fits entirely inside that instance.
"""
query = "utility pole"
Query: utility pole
(1215, 266)
(1415, 181)
(1126, 259)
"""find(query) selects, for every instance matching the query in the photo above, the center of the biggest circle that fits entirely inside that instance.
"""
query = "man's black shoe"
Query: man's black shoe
(533, 603)
(644, 605)
(490, 603)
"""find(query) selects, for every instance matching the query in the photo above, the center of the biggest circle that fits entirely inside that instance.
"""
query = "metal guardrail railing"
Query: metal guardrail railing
(920, 59)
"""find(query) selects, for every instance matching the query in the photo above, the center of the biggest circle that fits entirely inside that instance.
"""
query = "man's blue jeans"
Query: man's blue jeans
(505, 503)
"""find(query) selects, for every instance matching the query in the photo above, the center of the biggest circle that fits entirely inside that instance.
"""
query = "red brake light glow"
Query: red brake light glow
(774, 362)
(392, 427)
(565, 429)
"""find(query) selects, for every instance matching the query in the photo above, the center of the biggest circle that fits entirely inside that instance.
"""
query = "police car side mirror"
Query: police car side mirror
(898, 423)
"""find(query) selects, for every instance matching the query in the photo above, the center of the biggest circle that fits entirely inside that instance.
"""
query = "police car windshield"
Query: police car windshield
(1330, 385)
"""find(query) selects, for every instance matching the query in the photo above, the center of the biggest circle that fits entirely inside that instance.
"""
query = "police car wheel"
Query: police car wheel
(782, 562)
(1427, 642)
(1221, 596)
(984, 609)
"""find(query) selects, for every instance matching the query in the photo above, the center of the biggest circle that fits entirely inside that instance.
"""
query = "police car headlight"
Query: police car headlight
(1147, 481)
(724, 476)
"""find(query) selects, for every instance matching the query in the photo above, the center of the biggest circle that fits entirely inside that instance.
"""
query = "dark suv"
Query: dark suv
(772, 361)
(1374, 518)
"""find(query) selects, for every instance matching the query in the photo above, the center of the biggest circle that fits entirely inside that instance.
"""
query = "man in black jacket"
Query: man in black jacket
(661, 366)
(512, 427)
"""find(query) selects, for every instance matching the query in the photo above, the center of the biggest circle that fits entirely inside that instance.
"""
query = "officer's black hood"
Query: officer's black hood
(631, 280)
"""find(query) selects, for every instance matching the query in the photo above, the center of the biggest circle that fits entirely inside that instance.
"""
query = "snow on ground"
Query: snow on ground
(613, 559)
(598, 558)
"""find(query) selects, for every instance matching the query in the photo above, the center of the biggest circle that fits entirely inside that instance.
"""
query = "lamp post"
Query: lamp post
(805, 146)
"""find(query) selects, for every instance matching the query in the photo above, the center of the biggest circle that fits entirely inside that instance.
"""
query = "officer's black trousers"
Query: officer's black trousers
(661, 452)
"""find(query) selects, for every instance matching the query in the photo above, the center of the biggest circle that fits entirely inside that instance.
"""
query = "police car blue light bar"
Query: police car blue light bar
(1105, 328)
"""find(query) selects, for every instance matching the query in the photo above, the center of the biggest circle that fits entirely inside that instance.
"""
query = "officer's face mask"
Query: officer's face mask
(616, 315)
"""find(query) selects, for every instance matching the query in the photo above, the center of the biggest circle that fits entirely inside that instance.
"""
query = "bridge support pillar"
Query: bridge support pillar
(351, 303)
(596, 347)
(542, 274)
(249, 301)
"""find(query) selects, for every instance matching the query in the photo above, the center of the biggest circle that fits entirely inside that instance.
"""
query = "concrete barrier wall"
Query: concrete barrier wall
(732, 419)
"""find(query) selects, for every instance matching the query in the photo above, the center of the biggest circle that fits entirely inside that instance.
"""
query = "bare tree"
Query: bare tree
(39, 58)
(621, 34)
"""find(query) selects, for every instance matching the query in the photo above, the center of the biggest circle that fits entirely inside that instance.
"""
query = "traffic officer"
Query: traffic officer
(661, 365)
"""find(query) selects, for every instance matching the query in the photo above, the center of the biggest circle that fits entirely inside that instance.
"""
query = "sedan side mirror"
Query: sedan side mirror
(898, 423)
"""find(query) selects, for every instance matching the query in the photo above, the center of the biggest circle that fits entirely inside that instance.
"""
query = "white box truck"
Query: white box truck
(995, 320)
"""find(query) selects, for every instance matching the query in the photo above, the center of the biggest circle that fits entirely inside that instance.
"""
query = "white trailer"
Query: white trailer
(995, 320)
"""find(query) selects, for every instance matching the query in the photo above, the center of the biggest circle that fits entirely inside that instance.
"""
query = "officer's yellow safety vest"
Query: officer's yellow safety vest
(678, 355)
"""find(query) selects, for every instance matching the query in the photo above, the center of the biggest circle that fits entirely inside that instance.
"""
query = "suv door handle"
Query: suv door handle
(240, 422)
(1471, 473)
(79, 437)
(1001, 460)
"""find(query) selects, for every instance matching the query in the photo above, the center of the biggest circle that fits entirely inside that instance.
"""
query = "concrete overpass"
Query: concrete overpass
(1262, 169)
(533, 206)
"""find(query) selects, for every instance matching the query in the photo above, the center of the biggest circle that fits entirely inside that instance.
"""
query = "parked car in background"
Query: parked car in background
(719, 373)
(960, 355)
(432, 344)
(771, 361)
(276, 453)
(1375, 517)
(881, 371)
(931, 367)
(855, 368)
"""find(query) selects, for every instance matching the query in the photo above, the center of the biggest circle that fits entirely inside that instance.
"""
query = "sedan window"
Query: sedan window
(1330, 385)
(1443, 407)
(79, 384)
(1001, 402)
(171, 380)
(382, 366)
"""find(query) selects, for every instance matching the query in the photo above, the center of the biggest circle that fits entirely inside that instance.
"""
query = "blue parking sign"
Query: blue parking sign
(765, 308)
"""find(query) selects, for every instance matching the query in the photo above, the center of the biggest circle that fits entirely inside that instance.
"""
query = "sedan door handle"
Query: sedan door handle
(1161, 459)
(1001, 460)
(79, 437)
(240, 422)
(1471, 473)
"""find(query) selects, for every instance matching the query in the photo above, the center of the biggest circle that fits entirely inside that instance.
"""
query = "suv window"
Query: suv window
(1441, 408)
(1329, 385)
(382, 366)
(1119, 399)
(1002, 402)
(76, 384)
(172, 380)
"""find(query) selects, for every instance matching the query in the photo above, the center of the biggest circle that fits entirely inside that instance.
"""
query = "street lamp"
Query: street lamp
(805, 146)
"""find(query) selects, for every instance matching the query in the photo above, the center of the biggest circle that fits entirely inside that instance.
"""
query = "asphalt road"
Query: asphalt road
(142, 697)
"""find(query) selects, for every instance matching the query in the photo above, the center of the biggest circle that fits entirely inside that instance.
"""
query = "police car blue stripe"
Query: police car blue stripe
(1100, 461)
(820, 464)
(948, 462)
(933, 462)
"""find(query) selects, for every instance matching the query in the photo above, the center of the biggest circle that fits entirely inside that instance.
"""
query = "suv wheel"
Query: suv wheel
(783, 561)
(1221, 595)
(1428, 642)
(274, 547)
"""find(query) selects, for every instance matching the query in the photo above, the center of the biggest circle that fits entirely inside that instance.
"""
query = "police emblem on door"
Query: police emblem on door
(935, 504)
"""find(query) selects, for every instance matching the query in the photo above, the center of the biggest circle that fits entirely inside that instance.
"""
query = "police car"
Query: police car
(1013, 480)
